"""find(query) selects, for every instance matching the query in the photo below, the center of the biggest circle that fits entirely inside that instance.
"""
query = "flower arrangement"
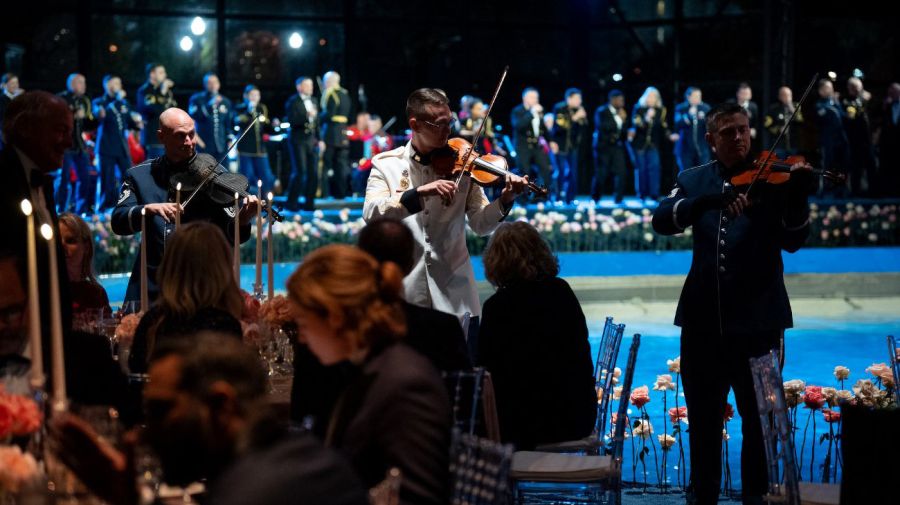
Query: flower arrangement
(580, 229)
(20, 416)
(277, 311)
(126, 328)
(17, 469)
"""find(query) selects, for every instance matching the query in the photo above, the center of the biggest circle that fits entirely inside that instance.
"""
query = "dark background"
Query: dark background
(393, 47)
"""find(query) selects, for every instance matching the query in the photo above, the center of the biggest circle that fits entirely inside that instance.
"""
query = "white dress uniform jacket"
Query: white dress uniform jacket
(442, 277)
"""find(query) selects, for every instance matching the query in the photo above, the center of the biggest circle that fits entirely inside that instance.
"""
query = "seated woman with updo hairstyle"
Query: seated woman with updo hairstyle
(197, 291)
(534, 341)
(395, 411)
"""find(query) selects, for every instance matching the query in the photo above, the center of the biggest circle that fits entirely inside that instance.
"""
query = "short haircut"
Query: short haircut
(301, 79)
(109, 77)
(572, 91)
(528, 89)
(8, 77)
(421, 98)
(719, 111)
(517, 253)
(822, 82)
(743, 85)
(250, 87)
(207, 75)
(388, 239)
(614, 93)
(690, 91)
(208, 357)
(71, 78)
(151, 67)
(30, 108)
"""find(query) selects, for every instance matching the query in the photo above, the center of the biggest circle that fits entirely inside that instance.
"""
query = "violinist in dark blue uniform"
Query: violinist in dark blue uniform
(212, 115)
(734, 305)
(116, 117)
(146, 187)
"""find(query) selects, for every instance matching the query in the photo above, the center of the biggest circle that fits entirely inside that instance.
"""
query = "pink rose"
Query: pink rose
(26, 415)
(678, 414)
(16, 468)
(277, 311)
(883, 372)
(6, 418)
(640, 396)
(831, 416)
(813, 397)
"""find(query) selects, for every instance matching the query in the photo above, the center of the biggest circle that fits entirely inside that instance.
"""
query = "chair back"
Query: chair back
(776, 429)
(473, 404)
(387, 492)
(479, 470)
(618, 438)
(894, 356)
(603, 375)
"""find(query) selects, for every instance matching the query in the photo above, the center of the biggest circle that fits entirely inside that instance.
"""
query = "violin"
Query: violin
(458, 158)
(205, 175)
(772, 170)
(218, 185)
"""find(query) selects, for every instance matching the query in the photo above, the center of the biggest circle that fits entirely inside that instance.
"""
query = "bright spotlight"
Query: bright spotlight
(186, 43)
(857, 73)
(832, 75)
(295, 40)
(617, 77)
(198, 26)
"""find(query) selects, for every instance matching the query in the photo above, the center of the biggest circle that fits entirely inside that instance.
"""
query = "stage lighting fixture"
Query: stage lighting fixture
(295, 40)
(832, 75)
(198, 26)
(857, 73)
(617, 77)
(186, 43)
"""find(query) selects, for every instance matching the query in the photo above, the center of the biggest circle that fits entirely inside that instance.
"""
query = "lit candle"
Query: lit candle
(56, 337)
(236, 255)
(270, 249)
(34, 307)
(145, 296)
(257, 288)
(178, 204)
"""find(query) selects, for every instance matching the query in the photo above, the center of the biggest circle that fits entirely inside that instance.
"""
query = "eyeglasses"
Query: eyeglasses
(437, 126)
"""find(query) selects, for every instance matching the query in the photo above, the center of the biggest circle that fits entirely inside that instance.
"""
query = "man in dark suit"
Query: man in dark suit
(734, 305)
(208, 418)
(889, 144)
(744, 97)
(528, 129)
(691, 149)
(611, 127)
(212, 114)
(434, 334)
(116, 117)
(334, 116)
(832, 137)
(303, 114)
(38, 131)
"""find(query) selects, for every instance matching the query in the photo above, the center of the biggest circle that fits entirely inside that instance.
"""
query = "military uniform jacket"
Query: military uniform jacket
(776, 117)
(736, 281)
(80, 126)
(213, 121)
(442, 277)
(151, 102)
(303, 126)
(335, 111)
(652, 133)
(521, 119)
(567, 133)
(253, 144)
(691, 128)
(111, 132)
(148, 183)
(830, 120)
(609, 133)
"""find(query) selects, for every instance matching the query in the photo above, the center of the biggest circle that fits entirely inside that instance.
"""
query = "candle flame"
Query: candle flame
(26, 207)
(143, 211)
(236, 196)
(259, 183)
(270, 196)
(178, 187)
(47, 231)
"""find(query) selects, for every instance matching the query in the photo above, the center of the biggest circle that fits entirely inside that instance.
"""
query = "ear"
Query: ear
(709, 140)
(413, 124)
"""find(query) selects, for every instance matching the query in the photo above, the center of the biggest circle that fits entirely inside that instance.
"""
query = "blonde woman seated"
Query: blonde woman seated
(197, 291)
(534, 341)
(395, 411)
(87, 293)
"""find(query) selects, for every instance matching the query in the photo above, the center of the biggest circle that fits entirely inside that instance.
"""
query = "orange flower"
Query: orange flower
(679, 414)
(813, 397)
(640, 396)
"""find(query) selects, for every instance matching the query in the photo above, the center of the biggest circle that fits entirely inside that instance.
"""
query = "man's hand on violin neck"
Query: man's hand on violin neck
(249, 210)
(738, 205)
(514, 187)
(167, 211)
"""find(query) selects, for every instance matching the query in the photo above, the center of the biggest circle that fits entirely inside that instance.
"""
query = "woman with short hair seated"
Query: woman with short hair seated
(197, 291)
(395, 411)
(534, 342)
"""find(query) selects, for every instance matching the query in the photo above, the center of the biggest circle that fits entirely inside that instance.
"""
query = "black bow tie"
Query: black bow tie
(39, 178)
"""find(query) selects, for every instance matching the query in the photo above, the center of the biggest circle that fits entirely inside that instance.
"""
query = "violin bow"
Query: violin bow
(483, 123)
(784, 128)
(212, 174)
